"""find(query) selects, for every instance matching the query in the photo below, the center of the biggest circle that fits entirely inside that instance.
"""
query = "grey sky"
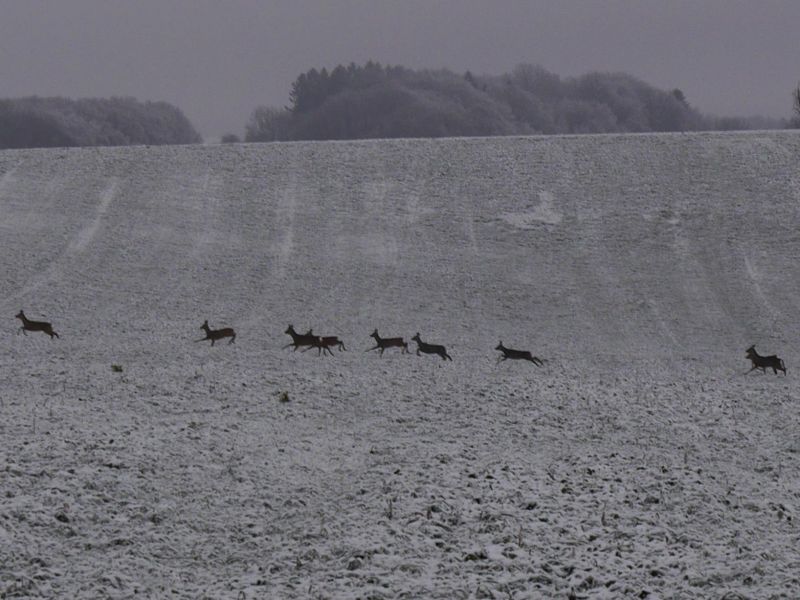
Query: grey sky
(219, 59)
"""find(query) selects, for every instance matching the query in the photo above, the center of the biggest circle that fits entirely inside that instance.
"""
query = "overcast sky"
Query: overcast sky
(219, 59)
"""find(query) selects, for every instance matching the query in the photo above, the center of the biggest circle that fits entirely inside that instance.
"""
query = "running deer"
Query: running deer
(384, 343)
(42, 326)
(299, 340)
(425, 348)
(217, 334)
(517, 355)
(324, 344)
(763, 362)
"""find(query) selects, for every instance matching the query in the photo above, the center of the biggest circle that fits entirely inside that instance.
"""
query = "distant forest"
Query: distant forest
(35, 122)
(375, 101)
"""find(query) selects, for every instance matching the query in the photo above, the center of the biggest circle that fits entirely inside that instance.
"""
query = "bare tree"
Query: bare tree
(268, 124)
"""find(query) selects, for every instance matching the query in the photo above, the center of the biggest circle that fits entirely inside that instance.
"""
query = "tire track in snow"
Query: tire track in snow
(754, 277)
(285, 215)
(85, 236)
(77, 245)
(661, 321)
(699, 294)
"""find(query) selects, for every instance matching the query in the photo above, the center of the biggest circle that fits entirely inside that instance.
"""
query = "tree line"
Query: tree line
(796, 107)
(375, 101)
(36, 122)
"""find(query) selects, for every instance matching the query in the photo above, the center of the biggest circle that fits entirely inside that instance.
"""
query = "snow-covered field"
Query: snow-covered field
(638, 462)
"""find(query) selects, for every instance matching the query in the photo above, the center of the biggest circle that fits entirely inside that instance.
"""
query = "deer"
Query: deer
(426, 348)
(28, 325)
(324, 344)
(299, 340)
(517, 355)
(217, 334)
(762, 362)
(384, 343)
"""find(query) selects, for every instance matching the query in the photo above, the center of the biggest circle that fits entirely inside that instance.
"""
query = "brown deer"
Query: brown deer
(217, 334)
(425, 348)
(384, 343)
(28, 325)
(299, 340)
(764, 362)
(517, 355)
(325, 344)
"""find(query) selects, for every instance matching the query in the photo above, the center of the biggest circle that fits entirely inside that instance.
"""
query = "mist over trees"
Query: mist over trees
(36, 122)
(374, 101)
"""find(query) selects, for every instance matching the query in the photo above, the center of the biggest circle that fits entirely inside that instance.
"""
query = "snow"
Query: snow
(638, 462)
(544, 212)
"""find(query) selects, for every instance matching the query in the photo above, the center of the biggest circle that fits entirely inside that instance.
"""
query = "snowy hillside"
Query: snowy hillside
(637, 460)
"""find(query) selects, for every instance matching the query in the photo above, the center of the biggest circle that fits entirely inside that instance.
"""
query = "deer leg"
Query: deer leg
(233, 339)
